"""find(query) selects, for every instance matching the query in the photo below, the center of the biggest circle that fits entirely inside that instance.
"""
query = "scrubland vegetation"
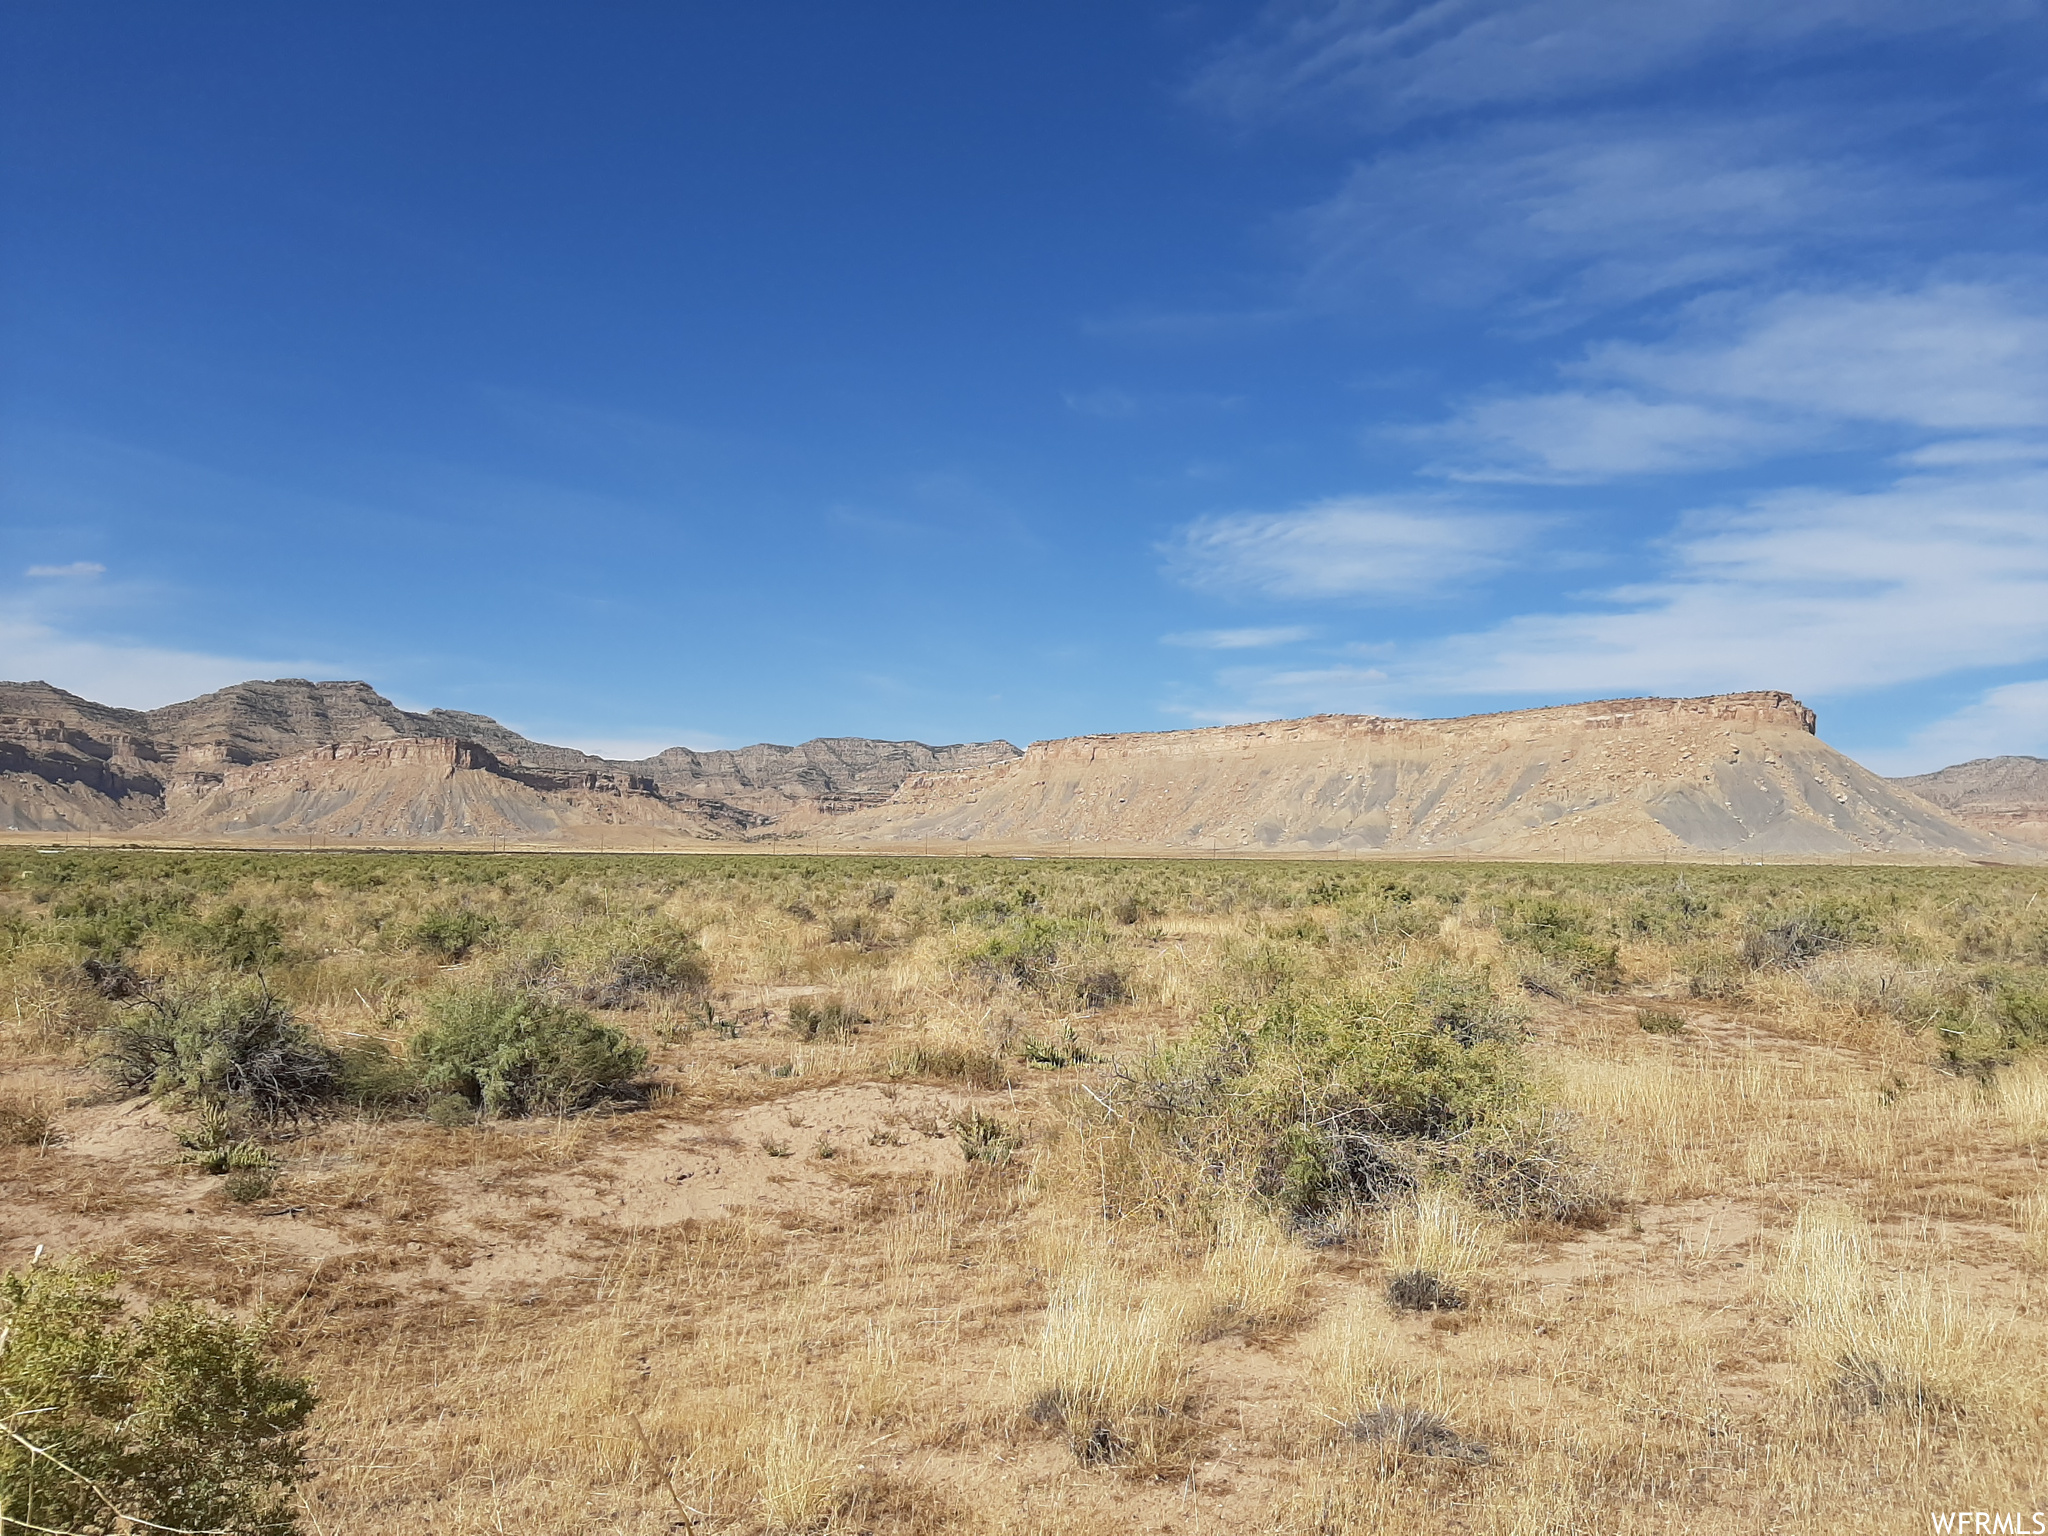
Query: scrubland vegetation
(575, 1194)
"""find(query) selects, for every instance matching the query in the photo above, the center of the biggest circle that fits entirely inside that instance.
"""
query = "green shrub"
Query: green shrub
(1786, 940)
(372, 1076)
(446, 933)
(108, 924)
(1065, 1051)
(1055, 957)
(245, 1185)
(652, 959)
(233, 1043)
(1563, 935)
(235, 937)
(2022, 1014)
(831, 1019)
(174, 1417)
(215, 1144)
(520, 1052)
(1025, 950)
(1320, 1102)
(985, 1139)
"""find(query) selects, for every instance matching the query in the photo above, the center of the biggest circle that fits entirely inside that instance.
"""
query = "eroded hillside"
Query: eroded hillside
(2002, 796)
(338, 760)
(1729, 774)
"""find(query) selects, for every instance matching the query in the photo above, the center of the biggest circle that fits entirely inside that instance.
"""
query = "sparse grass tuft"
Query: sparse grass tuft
(1254, 1272)
(805, 1469)
(24, 1122)
(1435, 1248)
(2022, 1091)
(1871, 1342)
(1112, 1367)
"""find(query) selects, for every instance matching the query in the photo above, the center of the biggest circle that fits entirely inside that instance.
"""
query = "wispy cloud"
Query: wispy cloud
(1816, 591)
(1580, 436)
(2008, 721)
(1386, 62)
(1355, 546)
(77, 570)
(1238, 639)
(129, 675)
(1564, 216)
(1742, 379)
(1944, 356)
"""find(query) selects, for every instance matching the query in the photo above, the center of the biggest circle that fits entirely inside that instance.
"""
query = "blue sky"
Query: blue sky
(650, 373)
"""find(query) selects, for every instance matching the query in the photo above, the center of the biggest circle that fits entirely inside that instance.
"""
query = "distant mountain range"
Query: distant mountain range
(336, 762)
(2005, 796)
(338, 759)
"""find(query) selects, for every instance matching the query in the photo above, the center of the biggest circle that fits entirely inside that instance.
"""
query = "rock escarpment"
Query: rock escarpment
(339, 759)
(2002, 796)
(1738, 774)
(436, 788)
(831, 774)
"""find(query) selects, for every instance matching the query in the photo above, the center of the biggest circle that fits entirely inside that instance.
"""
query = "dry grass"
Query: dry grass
(2023, 1098)
(1817, 1303)
(1439, 1235)
(1253, 1273)
(1112, 1365)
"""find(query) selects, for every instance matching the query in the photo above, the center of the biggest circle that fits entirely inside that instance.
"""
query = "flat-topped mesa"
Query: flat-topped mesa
(1748, 712)
(1729, 773)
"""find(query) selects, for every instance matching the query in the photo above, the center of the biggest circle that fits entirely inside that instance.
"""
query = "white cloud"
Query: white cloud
(1238, 639)
(1355, 546)
(128, 676)
(1744, 379)
(1811, 590)
(1944, 357)
(1578, 436)
(2008, 721)
(1818, 592)
(1962, 452)
(1392, 62)
(76, 570)
(1606, 209)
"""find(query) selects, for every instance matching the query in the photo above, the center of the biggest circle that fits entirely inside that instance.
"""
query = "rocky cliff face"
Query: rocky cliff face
(2003, 796)
(831, 774)
(70, 765)
(1731, 774)
(438, 788)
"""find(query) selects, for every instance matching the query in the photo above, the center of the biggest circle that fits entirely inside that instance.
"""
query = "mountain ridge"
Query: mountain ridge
(2005, 796)
(1742, 774)
(70, 764)
(1640, 777)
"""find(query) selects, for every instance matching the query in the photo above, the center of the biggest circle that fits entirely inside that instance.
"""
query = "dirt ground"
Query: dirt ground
(620, 1322)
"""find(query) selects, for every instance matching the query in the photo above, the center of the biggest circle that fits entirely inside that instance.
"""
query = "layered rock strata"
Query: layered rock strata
(2000, 796)
(68, 764)
(1739, 774)
(431, 788)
